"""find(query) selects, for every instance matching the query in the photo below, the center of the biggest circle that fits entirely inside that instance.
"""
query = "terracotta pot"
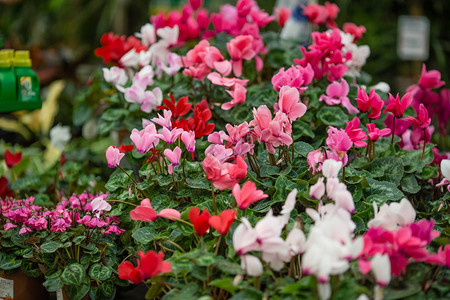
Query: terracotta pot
(25, 287)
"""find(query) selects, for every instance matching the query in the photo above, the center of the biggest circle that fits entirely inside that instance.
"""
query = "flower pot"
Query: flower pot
(25, 287)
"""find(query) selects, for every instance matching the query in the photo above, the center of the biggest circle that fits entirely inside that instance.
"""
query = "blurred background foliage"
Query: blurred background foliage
(62, 36)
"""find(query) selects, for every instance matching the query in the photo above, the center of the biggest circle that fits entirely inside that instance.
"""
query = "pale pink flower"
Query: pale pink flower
(240, 48)
(244, 237)
(393, 216)
(238, 93)
(113, 156)
(99, 204)
(145, 139)
(296, 242)
(219, 152)
(188, 138)
(218, 79)
(165, 121)
(252, 265)
(337, 94)
(381, 269)
(147, 34)
(151, 100)
(317, 190)
(170, 35)
(445, 168)
(115, 76)
(130, 59)
(289, 103)
(169, 136)
(174, 157)
(331, 167)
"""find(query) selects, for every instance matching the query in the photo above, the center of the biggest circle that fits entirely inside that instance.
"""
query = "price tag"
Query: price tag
(413, 38)
(6, 288)
(59, 295)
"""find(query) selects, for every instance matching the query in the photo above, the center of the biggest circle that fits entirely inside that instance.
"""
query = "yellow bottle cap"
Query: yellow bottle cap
(22, 59)
(5, 61)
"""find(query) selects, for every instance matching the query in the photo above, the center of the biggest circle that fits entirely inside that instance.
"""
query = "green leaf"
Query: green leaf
(53, 282)
(390, 168)
(81, 114)
(114, 114)
(248, 294)
(303, 148)
(198, 183)
(76, 292)
(229, 267)
(301, 128)
(9, 262)
(163, 179)
(188, 292)
(206, 259)
(99, 272)
(117, 180)
(31, 268)
(429, 172)
(382, 191)
(42, 200)
(108, 289)
(50, 247)
(225, 284)
(333, 116)
(409, 184)
(268, 170)
(144, 235)
(73, 274)
(78, 239)
(360, 162)
(26, 182)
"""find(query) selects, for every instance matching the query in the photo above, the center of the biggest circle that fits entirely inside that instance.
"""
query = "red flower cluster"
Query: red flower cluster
(114, 47)
(197, 123)
(202, 221)
(149, 265)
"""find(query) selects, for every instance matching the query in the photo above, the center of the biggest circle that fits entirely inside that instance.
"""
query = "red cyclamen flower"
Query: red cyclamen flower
(223, 222)
(150, 264)
(200, 221)
(12, 159)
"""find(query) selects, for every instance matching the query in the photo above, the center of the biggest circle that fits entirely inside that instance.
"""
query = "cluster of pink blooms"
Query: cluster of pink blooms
(393, 234)
(435, 103)
(322, 14)
(84, 209)
(266, 238)
(149, 137)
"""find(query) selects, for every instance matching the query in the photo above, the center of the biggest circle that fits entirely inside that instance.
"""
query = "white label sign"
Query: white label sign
(6, 288)
(59, 295)
(413, 38)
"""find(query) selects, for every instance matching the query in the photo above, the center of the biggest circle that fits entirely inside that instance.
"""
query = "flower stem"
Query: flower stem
(120, 201)
(393, 131)
(123, 170)
(424, 142)
(217, 245)
(214, 198)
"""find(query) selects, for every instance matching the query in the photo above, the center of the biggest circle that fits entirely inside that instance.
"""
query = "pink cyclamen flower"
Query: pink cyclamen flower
(99, 204)
(196, 4)
(188, 138)
(430, 79)
(423, 121)
(165, 121)
(396, 106)
(224, 175)
(145, 139)
(174, 157)
(316, 14)
(289, 103)
(337, 94)
(240, 48)
(356, 134)
(113, 156)
(169, 136)
(283, 14)
(145, 212)
(375, 133)
(296, 76)
(356, 31)
(114, 229)
(338, 140)
(239, 95)
(247, 195)
(372, 101)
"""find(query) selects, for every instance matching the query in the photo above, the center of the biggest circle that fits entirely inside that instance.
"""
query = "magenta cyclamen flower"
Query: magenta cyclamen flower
(375, 133)
(295, 76)
(113, 156)
(356, 134)
(337, 94)
(372, 101)
(338, 140)
(430, 79)
(174, 157)
(423, 121)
